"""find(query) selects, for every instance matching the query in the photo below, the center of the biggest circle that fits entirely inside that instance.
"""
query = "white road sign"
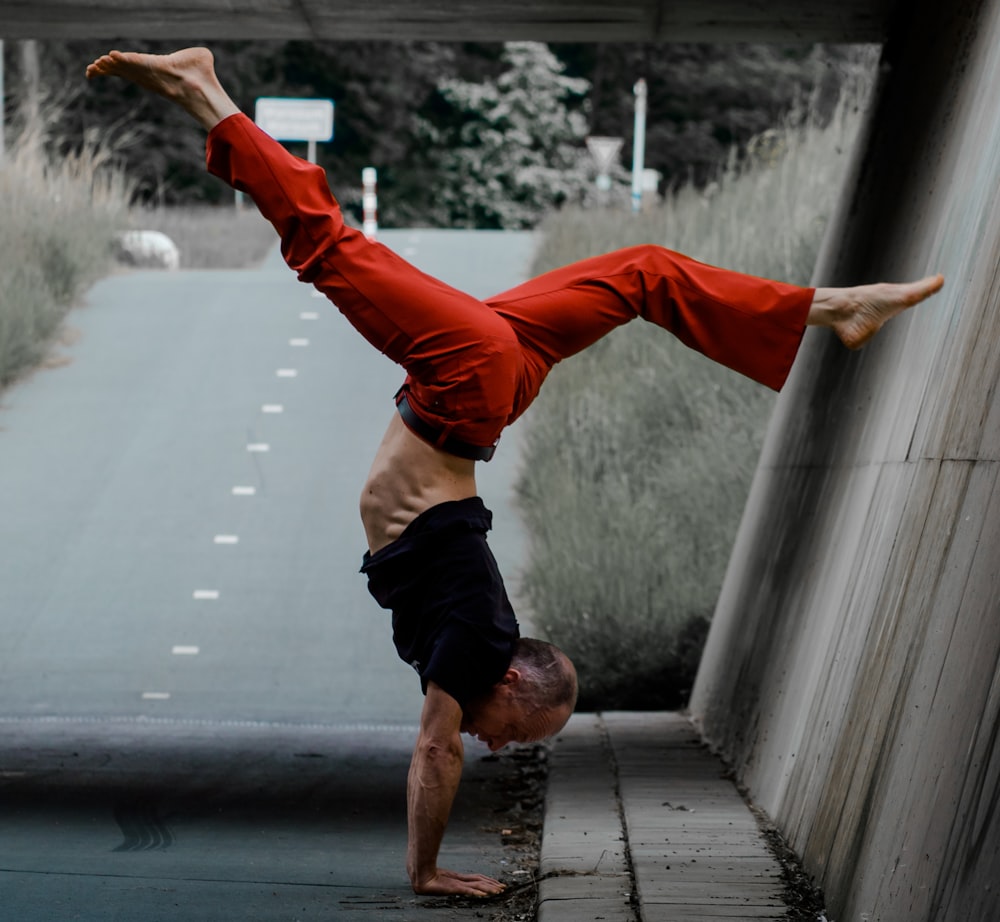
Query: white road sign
(295, 119)
(604, 151)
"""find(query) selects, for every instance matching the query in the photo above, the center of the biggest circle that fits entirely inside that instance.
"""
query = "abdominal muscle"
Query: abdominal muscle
(407, 477)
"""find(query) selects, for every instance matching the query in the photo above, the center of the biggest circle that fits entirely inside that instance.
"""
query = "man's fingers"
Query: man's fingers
(485, 886)
(454, 883)
(477, 884)
(471, 878)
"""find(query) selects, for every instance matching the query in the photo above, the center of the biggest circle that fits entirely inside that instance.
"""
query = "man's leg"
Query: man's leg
(749, 324)
(446, 340)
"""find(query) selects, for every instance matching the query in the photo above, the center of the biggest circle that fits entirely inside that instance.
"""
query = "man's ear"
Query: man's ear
(511, 677)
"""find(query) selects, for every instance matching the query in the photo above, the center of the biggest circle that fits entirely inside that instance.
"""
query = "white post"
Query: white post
(369, 199)
(638, 144)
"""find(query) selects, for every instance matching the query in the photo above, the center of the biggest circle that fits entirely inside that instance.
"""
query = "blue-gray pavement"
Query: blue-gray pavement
(117, 480)
(201, 713)
(213, 820)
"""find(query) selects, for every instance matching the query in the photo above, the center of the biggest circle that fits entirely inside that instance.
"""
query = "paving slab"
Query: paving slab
(639, 808)
(584, 871)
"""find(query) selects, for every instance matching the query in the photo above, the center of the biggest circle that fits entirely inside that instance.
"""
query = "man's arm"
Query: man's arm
(435, 772)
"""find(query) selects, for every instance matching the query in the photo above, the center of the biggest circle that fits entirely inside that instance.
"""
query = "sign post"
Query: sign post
(604, 151)
(296, 120)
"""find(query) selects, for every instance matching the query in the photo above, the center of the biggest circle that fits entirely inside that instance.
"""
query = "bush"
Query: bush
(56, 238)
(639, 452)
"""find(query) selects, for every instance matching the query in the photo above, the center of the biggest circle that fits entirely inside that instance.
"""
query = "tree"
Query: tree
(704, 100)
(513, 148)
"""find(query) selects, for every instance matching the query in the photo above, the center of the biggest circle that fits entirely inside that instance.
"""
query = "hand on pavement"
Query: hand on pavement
(452, 882)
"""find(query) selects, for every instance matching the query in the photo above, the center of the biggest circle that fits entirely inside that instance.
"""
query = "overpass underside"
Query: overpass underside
(457, 20)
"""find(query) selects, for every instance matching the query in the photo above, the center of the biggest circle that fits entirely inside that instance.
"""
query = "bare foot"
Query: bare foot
(857, 314)
(185, 77)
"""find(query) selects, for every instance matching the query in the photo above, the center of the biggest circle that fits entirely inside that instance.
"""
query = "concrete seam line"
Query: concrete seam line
(609, 751)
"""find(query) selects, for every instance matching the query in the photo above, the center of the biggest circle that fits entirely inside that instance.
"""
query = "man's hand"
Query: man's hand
(452, 883)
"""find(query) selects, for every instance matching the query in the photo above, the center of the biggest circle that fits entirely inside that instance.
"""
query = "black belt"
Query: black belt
(433, 435)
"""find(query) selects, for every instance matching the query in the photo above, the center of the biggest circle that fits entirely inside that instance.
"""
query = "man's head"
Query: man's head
(531, 702)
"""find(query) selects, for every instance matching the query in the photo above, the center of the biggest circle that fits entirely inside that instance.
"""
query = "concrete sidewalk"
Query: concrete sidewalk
(641, 823)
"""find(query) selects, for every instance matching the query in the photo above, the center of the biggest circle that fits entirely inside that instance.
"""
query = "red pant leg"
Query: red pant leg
(463, 359)
(751, 325)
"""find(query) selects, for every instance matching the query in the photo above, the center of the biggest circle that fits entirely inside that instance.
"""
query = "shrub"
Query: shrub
(60, 217)
(639, 452)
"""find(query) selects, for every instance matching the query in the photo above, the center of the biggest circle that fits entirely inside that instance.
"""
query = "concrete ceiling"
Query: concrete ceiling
(460, 20)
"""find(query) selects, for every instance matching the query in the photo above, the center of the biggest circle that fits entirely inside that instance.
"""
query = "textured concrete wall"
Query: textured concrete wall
(851, 673)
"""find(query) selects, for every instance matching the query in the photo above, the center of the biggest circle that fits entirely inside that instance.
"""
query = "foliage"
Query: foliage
(56, 238)
(515, 150)
(639, 452)
(703, 99)
(377, 88)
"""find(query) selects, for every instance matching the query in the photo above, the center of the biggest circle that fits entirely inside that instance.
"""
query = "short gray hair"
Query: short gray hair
(548, 673)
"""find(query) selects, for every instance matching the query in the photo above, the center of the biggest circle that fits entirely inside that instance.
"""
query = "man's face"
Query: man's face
(501, 719)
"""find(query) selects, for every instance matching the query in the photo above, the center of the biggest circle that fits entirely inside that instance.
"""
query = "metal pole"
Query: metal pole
(638, 144)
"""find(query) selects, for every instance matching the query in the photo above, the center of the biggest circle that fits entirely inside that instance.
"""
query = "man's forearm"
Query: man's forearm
(435, 773)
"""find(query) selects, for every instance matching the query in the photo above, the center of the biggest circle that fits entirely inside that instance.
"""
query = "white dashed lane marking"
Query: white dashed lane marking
(226, 539)
(244, 491)
(272, 408)
(309, 315)
(181, 650)
(206, 594)
(155, 696)
(299, 342)
(258, 447)
(287, 373)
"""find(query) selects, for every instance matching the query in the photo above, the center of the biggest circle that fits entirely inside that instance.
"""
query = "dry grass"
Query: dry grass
(211, 237)
(56, 238)
(639, 452)
(62, 215)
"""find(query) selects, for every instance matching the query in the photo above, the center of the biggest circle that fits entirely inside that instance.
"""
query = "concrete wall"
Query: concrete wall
(852, 673)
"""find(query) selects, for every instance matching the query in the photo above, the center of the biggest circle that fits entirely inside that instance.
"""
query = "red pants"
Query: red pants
(474, 366)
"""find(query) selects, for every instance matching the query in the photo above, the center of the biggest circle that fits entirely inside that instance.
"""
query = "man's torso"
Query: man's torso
(452, 620)
(407, 477)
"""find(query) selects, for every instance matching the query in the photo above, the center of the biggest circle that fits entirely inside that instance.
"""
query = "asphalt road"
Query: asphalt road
(201, 711)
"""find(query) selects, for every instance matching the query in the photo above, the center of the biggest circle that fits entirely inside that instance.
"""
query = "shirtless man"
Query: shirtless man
(472, 368)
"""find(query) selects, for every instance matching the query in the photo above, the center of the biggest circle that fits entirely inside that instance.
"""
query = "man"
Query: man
(472, 368)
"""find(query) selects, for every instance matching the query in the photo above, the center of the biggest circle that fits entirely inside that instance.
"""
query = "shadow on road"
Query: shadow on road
(218, 815)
